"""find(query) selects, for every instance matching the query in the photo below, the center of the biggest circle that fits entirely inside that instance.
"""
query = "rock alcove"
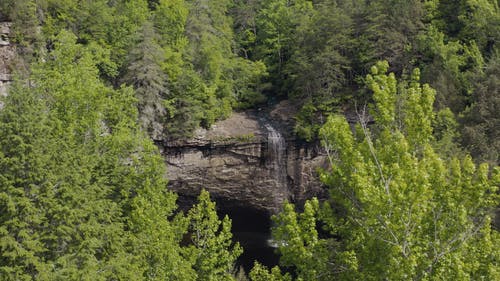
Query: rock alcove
(251, 165)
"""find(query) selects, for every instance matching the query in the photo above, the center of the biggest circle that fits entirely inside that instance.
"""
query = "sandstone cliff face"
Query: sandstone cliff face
(7, 53)
(245, 161)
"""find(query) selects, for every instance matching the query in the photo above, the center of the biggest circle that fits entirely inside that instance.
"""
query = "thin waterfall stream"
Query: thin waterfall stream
(251, 228)
(276, 147)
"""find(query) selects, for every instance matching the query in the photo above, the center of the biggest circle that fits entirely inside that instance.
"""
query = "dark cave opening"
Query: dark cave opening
(252, 229)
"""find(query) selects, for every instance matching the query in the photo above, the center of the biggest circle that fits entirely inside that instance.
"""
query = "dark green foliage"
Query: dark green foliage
(222, 80)
(145, 74)
(481, 123)
(319, 68)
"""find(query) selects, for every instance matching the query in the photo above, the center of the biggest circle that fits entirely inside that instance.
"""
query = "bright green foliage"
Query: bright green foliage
(411, 112)
(261, 273)
(111, 25)
(191, 43)
(212, 249)
(299, 245)
(82, 189)
(169, 20)
(398, 210)
(417, 111)
(384, 88)
(23, 163)
(403, 211)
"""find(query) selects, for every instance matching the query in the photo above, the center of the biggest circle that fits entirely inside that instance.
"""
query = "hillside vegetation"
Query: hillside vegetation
(413, 184)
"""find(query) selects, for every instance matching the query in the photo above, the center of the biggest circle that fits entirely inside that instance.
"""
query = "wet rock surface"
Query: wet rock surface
(247, 160)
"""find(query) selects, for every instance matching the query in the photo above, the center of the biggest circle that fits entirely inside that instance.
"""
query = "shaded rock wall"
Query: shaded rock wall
(7, 54)
(239, 163)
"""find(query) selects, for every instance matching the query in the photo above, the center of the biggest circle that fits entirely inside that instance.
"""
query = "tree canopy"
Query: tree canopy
(397, 209)
(83, 193)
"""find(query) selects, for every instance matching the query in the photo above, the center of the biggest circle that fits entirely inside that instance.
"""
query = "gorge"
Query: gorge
(251, 165)
(244, 161)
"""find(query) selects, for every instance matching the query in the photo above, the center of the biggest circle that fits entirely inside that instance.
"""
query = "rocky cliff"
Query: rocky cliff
(7, 53)
(245, 161)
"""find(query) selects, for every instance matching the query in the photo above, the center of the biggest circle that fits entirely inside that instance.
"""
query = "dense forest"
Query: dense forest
(413, 183)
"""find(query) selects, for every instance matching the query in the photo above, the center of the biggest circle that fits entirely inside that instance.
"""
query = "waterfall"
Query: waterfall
(276, 158)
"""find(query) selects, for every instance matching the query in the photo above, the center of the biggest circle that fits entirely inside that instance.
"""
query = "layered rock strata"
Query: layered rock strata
(244, 161)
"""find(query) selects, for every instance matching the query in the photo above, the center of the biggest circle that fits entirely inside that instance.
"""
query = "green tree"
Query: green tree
(244, 14)
(460, 36)
(145, 74)
(169, 19)
(261, 273)
(212, 249)
(384, 30)
(83, 193)
(480, 122)
(469, 20)
(209, 31)
(299, 245)
(23, 163)
(25, 24)
(213, 79)
(451, 68)
(397, 209)
(318, 69)
(276, 22)
(418, 214)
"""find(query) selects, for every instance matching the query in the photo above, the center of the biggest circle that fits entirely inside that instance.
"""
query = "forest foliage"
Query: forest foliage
(398, 210)
(82, 187)
(193, 62)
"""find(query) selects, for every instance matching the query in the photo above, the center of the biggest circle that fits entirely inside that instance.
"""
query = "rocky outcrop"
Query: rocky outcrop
(7, 54)
(245, 161)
